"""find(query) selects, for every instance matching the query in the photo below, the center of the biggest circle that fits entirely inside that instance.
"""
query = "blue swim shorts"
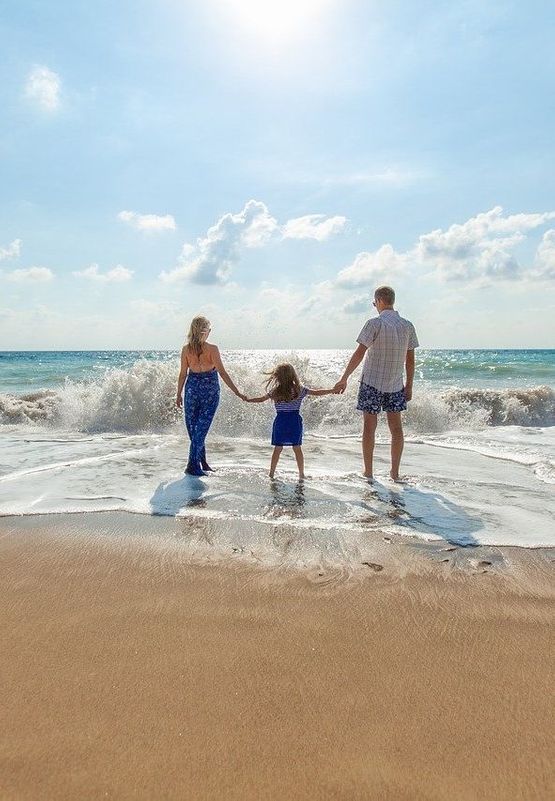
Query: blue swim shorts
(373, 401)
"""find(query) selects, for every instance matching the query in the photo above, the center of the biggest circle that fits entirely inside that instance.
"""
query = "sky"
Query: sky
(268, 163)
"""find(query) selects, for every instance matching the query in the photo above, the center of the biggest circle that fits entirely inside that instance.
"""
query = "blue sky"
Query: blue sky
(268, 164)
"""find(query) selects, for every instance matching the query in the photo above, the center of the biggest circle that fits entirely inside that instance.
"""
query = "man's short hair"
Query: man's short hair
(385, 294)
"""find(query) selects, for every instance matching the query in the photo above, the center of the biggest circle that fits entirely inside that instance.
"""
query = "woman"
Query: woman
(200, 364)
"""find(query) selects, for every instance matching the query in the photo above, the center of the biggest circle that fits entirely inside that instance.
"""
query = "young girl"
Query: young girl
(287, 393)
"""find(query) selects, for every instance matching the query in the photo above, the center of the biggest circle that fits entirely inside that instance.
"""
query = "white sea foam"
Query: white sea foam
(141, 398)
(480, 463)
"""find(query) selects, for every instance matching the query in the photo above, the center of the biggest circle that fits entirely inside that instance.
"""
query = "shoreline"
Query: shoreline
(134, 672)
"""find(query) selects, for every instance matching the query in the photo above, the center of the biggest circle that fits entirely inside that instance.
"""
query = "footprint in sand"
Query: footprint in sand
(374, 566)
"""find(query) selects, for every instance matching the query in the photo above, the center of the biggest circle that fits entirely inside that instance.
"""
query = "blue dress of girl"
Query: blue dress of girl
(288, 424)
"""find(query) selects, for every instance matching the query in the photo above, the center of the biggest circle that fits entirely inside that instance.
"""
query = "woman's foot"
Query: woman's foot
(206, 467)
(191, 470)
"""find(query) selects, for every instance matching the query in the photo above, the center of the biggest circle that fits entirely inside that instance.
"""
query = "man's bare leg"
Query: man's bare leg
(397, 442)
(275, 459)
(368, 439)
(298, 451)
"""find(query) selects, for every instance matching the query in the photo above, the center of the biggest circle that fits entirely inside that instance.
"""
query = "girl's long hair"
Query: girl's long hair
(199, 325)
(283, 383)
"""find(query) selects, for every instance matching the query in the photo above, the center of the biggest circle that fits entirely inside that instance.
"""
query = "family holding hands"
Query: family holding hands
(387, 341)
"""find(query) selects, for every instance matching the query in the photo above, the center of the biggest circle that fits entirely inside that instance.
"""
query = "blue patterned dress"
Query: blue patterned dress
(201, 397)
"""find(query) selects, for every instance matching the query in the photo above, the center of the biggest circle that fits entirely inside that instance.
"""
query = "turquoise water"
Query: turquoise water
(27, 371)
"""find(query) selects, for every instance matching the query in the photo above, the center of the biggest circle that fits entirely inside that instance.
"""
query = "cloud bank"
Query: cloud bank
(148, 222)
(212, 258)
(117, 275)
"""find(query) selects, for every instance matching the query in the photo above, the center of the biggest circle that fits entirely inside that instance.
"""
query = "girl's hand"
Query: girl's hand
(243, 397)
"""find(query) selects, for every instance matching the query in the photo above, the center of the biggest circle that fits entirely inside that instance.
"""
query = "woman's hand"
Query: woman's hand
(179, 402)
(243, 397)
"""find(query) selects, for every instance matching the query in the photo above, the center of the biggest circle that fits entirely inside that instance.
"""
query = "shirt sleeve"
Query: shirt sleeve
(304, 393)
(413, 339)
(368, 333)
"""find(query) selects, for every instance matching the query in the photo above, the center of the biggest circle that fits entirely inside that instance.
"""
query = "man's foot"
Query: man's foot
(397, 478)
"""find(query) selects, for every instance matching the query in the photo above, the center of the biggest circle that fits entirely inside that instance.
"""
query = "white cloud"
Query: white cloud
(368, 268)
(481, 247)
(478, 251)
(11, 251)
(313, 226)
(148, 222)
(32, 275)
(544, 265)
(357, 305)
(211, 259)
(117, 275)
(43, 88)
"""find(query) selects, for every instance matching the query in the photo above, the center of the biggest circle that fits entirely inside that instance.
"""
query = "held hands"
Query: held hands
(340, 387)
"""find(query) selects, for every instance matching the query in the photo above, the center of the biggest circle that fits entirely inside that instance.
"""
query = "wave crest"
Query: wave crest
(142, 398)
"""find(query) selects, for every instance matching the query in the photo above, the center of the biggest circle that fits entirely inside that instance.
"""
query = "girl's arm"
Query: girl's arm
(182, 376)
(258, 400)
(218, 364)
(332, 391)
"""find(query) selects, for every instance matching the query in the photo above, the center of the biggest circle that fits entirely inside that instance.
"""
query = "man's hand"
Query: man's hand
(179, 402)
(408, 393)
(340, 387)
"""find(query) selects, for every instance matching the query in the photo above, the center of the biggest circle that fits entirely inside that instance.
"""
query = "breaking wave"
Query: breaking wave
(141, 398)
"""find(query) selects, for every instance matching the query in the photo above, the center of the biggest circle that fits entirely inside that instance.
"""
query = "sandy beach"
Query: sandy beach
(130, 671)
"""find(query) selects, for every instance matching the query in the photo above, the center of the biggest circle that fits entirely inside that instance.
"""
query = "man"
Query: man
(388, 342)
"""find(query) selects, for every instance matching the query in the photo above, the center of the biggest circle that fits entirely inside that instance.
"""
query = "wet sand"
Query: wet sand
(130, 672)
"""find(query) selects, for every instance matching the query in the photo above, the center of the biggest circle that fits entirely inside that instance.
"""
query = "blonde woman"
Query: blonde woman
(200, 364)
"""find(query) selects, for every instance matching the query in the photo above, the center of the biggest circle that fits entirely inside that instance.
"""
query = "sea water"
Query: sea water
(96, 431)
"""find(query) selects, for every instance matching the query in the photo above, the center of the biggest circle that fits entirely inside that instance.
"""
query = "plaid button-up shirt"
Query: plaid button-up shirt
(388, 338)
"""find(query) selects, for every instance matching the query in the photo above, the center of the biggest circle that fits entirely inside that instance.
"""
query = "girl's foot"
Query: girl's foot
(369, 477)
(271, 475)
(301, 476)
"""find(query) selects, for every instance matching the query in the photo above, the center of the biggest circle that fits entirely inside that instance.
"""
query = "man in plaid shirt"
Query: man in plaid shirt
(388, 341)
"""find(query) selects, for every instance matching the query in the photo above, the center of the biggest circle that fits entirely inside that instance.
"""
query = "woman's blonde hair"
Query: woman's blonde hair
(199, 326)
(283, 383)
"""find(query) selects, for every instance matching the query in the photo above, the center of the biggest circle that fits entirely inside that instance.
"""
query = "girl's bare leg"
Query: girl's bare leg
(298, 451)
(275, 459)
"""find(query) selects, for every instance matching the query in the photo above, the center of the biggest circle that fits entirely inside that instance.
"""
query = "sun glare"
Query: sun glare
(277, 20)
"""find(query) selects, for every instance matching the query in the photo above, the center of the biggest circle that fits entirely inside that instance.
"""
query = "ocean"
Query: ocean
(98, 430)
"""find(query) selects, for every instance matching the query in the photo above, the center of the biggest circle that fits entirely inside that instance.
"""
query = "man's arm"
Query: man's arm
(354, 362)
(409, 367)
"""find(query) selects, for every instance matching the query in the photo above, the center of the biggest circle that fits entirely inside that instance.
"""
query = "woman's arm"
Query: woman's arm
(182, 376)
(258, 400)
(218, 364)
(354, 362)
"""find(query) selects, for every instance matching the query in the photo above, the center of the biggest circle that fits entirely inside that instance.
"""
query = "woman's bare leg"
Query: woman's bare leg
(298, 451)
(275, 459)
